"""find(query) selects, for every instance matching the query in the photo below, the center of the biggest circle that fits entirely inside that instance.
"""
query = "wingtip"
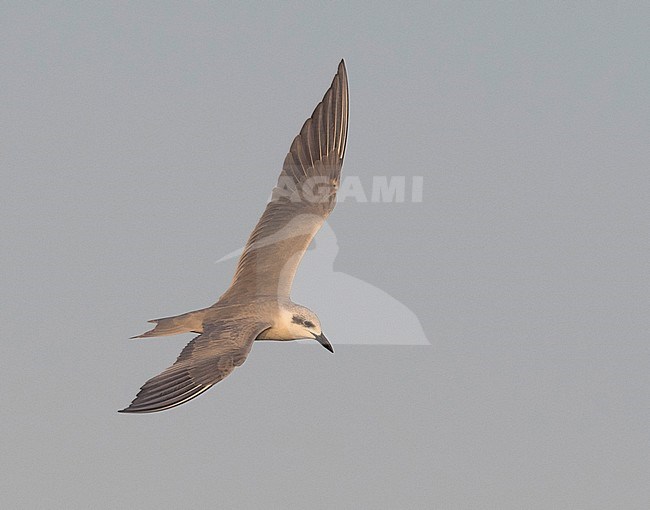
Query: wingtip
(342, 69)
(129, 410)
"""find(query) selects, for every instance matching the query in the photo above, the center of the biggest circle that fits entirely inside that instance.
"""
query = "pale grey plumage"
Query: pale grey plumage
(297, 210)
(257, 305)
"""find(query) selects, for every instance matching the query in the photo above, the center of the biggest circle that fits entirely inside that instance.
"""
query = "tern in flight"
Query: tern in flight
(257, 305)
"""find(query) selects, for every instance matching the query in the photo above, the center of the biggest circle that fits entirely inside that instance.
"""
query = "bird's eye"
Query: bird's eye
(309, 324)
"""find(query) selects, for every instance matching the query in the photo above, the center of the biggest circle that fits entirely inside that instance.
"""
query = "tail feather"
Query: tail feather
(190, 322)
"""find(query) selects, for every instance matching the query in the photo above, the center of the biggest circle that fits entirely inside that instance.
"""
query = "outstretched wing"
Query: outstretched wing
(205, 361)
(301, 201)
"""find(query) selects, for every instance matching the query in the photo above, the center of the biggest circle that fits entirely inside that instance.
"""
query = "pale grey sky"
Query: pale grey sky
(139, 143)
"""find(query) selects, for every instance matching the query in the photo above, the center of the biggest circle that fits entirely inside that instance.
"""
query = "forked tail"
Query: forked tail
(190, 322)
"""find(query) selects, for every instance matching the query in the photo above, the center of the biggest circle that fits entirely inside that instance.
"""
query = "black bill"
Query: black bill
(322, 339)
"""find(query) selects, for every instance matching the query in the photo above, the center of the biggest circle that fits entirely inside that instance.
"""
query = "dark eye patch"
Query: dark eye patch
(296, 319)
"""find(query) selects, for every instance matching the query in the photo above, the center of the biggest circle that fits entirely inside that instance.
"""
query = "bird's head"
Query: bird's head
(305, 324)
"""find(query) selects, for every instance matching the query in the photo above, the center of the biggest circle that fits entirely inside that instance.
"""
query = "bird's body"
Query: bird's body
(257, 305)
